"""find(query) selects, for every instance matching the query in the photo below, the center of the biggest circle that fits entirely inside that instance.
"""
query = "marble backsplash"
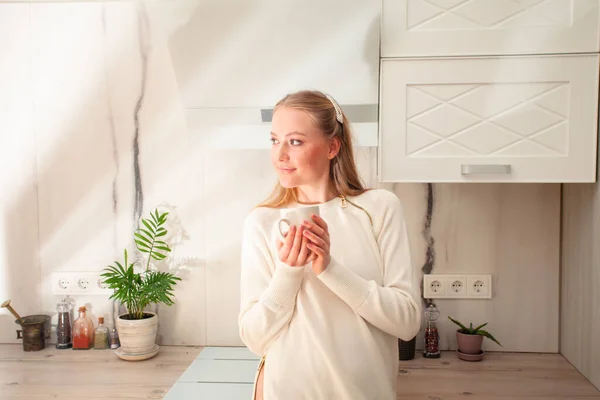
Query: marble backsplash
(93, 113)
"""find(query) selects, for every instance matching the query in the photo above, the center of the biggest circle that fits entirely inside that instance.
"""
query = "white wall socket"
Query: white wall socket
(78, 283)
(457, 286)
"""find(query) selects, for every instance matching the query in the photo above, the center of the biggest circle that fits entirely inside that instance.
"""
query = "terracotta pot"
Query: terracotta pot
(469, 344)
(137, 336)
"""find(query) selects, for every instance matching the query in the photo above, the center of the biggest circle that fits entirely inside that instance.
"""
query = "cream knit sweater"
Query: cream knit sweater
(331, 336)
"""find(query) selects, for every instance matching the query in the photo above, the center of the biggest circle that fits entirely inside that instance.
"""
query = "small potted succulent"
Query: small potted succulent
(470, 339)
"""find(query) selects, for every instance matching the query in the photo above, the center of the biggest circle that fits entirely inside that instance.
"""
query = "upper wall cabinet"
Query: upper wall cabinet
(235, 59)
(489, 27)
(489, 119)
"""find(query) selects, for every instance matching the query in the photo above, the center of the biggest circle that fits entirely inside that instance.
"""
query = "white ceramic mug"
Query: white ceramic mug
(294, 216)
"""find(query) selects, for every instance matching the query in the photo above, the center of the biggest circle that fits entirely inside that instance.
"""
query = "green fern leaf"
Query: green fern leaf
(149, 225)
(148, 234)
(143, 238)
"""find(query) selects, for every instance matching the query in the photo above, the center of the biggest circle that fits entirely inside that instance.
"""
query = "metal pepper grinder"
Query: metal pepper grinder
(64, 339)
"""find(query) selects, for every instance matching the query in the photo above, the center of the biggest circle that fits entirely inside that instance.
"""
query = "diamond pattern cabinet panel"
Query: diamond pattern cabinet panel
(489, 27)
(497, 119)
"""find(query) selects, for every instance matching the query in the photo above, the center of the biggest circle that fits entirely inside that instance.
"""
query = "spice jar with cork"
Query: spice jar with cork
(101, 335)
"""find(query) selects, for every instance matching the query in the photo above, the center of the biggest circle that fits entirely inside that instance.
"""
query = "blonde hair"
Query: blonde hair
(343, 175)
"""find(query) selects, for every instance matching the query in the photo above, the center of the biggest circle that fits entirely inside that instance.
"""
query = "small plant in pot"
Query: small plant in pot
(137, 286)
(470, 339)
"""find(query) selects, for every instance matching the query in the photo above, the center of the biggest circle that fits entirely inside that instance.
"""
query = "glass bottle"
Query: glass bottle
(432, 336)
(101, 335)
(114, 339)
(91, 324)
(82, 334)
(64, 339)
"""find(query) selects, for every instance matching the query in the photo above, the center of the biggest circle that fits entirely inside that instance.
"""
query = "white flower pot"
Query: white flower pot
(137, 336)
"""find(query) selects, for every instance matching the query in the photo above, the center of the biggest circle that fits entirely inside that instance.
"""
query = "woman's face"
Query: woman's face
(300, 152)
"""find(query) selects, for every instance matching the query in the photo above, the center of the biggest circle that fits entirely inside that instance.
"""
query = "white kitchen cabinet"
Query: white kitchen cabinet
(246, 54)
(496, 119)
(235, 59)
(488, 27)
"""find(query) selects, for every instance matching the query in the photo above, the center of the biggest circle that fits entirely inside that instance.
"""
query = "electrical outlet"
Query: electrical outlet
(479, 286)
(79, 283)
(433, 287)
(436, 287)
(101, 284)
(455, 286)
(83, 283)
(63, 283)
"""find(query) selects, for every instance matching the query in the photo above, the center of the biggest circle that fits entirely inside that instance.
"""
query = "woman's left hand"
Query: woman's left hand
(318, 234)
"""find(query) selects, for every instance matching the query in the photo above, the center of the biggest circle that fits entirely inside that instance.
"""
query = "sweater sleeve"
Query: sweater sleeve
(393, 307)
(267, 299)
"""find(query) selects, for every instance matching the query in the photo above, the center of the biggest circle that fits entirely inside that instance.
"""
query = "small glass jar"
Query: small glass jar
(101, 335)
(114, 339)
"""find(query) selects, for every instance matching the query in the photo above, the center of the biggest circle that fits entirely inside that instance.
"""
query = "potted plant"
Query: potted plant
(470, 340)
(137, 286)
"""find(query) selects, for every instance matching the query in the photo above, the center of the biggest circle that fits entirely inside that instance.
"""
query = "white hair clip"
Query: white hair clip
(338, 110)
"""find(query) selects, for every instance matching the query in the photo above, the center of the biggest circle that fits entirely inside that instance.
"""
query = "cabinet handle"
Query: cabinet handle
(470, 169)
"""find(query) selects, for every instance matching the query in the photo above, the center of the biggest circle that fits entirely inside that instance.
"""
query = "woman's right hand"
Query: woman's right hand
(293, 251)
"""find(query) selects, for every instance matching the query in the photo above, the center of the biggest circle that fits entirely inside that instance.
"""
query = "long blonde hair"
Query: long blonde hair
(343, 175)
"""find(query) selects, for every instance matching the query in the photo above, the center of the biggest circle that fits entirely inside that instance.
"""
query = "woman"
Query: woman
(324, 308)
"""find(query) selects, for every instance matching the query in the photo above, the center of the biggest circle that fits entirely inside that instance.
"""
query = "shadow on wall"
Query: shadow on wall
(93, 161)
(88, 160)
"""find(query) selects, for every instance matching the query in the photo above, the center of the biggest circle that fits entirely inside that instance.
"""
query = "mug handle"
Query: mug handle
(19, 334)
(279, 230)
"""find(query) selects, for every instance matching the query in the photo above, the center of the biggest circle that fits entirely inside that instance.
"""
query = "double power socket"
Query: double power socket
(457, 286)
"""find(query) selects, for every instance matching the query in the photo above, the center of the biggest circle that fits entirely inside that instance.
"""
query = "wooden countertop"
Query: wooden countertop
(100, 374)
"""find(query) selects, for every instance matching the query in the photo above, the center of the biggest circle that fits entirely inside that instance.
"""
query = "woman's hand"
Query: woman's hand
(318, 235)
(294, 251)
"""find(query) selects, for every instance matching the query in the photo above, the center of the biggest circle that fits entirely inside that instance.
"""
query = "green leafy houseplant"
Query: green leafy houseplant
(138, 289)
(474, 331)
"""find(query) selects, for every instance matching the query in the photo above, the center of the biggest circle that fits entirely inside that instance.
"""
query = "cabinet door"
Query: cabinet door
(235, 59)
(249, 54)
(512, 119)
(488, 27)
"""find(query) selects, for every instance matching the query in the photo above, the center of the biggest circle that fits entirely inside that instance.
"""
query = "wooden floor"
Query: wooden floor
(93, 374)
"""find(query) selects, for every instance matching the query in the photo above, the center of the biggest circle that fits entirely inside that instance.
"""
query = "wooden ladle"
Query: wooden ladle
(6, 304)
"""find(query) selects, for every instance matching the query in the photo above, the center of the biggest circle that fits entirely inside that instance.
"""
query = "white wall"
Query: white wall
(75, 76)
(19, 259)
